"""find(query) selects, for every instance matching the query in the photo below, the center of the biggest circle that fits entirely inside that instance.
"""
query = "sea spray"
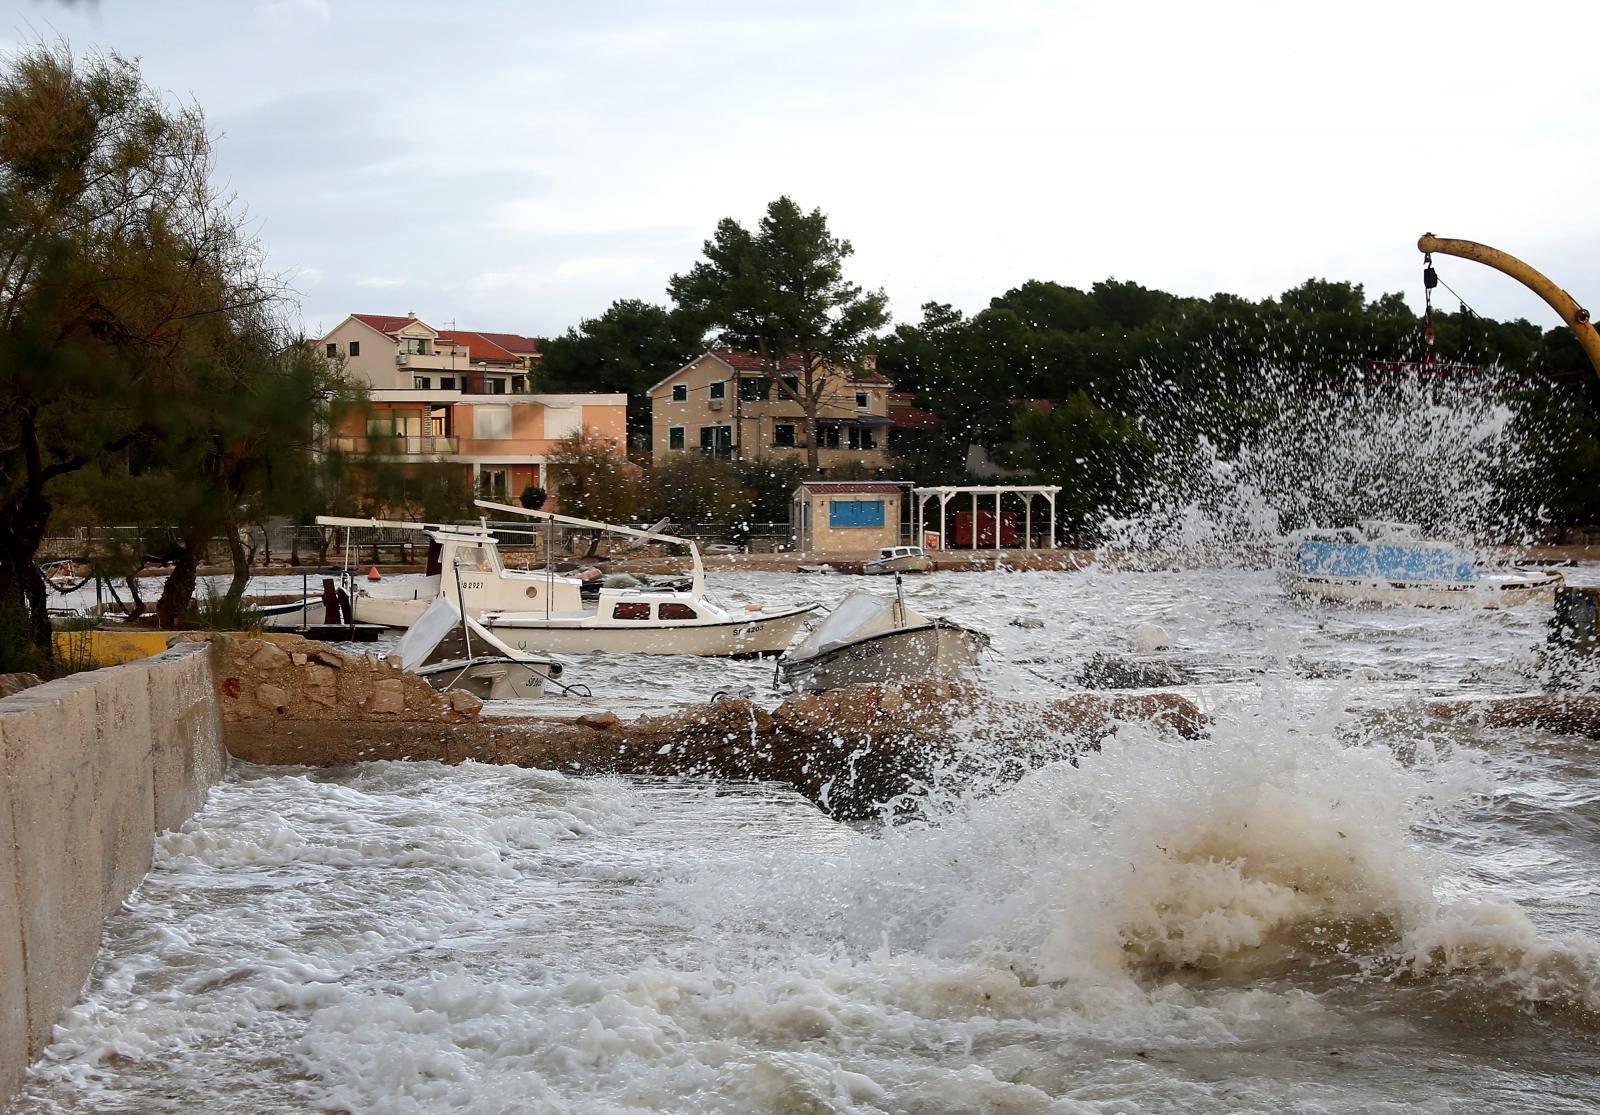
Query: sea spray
(1236, 475)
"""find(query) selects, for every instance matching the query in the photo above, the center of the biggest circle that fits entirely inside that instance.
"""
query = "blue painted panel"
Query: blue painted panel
(1387, 561)
(855, 513)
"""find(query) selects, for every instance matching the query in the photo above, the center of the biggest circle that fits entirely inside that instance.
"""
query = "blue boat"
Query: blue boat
(1378, 562)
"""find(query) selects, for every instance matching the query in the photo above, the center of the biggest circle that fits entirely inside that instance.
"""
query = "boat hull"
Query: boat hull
(760, 634)
(1487, 592)
(496, 679)
(914, 563)
(937, 649)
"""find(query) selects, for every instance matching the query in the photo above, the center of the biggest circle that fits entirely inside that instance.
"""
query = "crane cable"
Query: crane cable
(1430, 279)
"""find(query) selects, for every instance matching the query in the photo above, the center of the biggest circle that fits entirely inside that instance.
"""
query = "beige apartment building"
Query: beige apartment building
(725, 403)
(461, 397)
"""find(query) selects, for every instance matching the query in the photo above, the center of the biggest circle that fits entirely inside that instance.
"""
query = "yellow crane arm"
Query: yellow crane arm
(1576, 317)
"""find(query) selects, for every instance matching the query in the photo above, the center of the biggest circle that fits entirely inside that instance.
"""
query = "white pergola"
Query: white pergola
(947, 492)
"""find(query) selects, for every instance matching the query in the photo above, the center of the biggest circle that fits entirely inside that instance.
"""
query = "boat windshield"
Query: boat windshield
(860, 614)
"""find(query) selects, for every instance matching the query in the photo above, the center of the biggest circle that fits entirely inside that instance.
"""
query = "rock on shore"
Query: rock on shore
(850, 751)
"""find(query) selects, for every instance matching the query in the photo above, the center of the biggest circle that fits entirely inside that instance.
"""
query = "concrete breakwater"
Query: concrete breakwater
(849, 750)
(94, 765)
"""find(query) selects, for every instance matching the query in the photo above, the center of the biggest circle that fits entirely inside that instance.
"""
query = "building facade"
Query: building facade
(842, 517)
(461, 397)
(724, 403)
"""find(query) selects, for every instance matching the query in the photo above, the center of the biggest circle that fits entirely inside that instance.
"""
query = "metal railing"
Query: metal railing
(398, 445)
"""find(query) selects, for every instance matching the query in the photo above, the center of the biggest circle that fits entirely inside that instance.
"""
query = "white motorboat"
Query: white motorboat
(899, 559)
(452, 651)
(869, 639)
(1391, 563)
(545, 612)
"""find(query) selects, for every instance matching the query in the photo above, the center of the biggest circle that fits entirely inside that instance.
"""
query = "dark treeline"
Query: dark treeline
(1134, 375)
(1132, 369)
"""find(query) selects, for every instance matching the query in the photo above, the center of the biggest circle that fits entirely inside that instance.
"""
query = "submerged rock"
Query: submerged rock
(1115, 671)
(1149, 638)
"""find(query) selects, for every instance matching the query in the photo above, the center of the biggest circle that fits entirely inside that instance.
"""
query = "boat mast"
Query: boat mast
(699, 583)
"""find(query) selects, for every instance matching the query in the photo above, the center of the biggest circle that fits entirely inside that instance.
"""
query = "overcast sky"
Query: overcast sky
(518, 166)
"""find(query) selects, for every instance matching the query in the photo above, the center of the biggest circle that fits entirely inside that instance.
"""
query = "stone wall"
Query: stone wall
(91, 767)
(850, 751)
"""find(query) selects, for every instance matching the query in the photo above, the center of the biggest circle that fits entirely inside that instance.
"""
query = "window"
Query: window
(447, 383)
(492, 484)
(718, 389)
(474, 558)
(792, 383)
(491, 423)
(675, 611)
(680, 392)
(355, 348)
(421, 383)
(497, 386)
(828, 437)
(862, 401)
(844, 513)
(519, 384)
(417, 346)
(755, 390)
(783, 434)
(675, 437)
(869, 438)
(333, 349)
(631, 610)
(717, 440)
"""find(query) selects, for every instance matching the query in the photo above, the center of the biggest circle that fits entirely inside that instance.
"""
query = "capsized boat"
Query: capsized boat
(871, 639)
(544, 612)
(1378, 562)
(452, 651)
(899, 559)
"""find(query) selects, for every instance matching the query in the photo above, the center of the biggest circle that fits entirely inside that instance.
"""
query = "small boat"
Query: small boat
(545, 612)
(868, 639)
(899, 559)
(452, 651)
(1391, 563)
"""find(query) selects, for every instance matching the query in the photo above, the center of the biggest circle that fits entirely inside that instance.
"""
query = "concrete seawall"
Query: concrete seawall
(91, 767)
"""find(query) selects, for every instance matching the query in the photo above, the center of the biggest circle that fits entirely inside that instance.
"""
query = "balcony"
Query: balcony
(433, 361)
(398, 446)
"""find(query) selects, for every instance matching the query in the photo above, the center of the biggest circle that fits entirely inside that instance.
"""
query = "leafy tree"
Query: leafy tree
(628, 348)
(533, 497)
(781, 292)
(1100, 458)
(593, 480)
(118, 264)
(697, 491)
(771, 483)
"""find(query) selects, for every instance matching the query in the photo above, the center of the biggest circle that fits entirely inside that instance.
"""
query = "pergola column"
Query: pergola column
(1052, 520)
(974, 518)
(997, 520)
(1027, 522)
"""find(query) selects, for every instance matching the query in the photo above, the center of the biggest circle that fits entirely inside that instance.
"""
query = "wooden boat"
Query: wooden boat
(869, 639)
(1392, 564)
(452, 651)
(899, 559)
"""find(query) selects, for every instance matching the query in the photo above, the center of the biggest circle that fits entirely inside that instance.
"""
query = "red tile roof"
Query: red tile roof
(853, 485)
(744, 361)
(512, 342)
(913, 418)
(385, 323)
(480, 347)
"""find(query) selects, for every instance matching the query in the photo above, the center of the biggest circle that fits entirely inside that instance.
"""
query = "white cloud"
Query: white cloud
(527, 164)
